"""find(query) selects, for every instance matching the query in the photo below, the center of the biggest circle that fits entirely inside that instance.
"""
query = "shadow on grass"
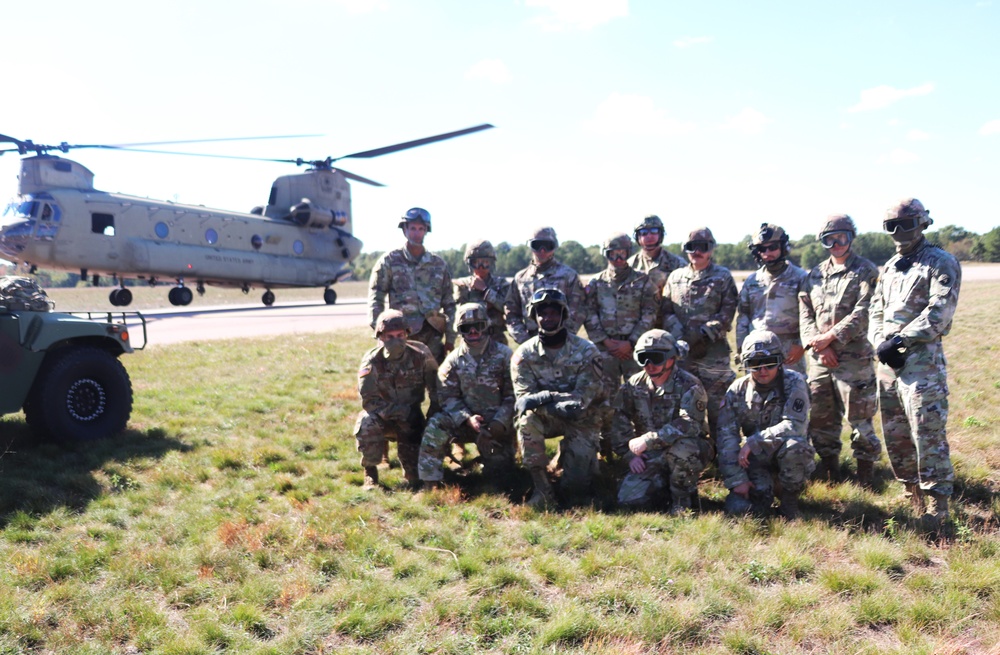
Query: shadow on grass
(38, 477)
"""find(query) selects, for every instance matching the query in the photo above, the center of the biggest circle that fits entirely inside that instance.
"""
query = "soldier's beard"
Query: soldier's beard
(777, 266)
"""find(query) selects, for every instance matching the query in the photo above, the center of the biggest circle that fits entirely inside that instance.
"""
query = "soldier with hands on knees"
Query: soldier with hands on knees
(417, 283)
(769, 298)
(833, 323)
(658, 427)
(559, 386)
(911, 310)
(699, 303)
(544, 272)
(762, 431)
(477, 401)
(392, 379)
(484, 287)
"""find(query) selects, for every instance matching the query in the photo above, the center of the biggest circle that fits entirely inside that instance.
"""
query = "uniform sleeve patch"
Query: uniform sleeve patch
(700, 404)
(798, 405)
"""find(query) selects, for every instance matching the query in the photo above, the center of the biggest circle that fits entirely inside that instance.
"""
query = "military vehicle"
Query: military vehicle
(63, 368)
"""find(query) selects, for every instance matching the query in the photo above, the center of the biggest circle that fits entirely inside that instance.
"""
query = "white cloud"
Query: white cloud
(363, 6)
(990, 128)
(489, 70)
(577, 14)
(748, 121)
(635, 114)
(899, 156)
(892, 122)
(688, 41)
(882, 96)
(917, 135)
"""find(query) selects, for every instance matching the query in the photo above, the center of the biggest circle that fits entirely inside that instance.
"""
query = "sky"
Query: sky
(726, 113)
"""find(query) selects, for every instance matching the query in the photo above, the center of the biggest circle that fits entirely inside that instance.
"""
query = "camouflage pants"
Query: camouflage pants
(615, 371)
(914, 407)
(715, 374)
(849, 389)
(577, 451)
(676, 467)
(793, 462)
(371, 433)
(787, 342)
(442, 431)
(432, 339)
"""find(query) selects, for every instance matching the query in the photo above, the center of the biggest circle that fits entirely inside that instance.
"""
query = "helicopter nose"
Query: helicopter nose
(14, 238)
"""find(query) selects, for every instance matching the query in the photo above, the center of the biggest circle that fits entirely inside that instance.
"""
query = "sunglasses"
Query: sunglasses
(763, 364)
(542, 244)
(614, 255)
(767, 247)
(469, 328)
(651, 357)
(696, 246)
(904, 224)
(834, 239)
(644, 231)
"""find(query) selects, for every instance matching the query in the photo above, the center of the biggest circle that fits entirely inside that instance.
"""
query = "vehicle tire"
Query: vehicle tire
(124, 297)
(113, 297)
(330, 297)
(267, 298)
(185, 296)
(173, 297)
(80, 394)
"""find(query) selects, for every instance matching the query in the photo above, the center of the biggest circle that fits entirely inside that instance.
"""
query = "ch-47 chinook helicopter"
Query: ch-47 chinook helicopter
(301, 238)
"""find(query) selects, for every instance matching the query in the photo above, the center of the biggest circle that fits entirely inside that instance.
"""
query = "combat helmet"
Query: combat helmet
(906, 215)
(834, 224)
(544, 234)
(544, 297)
(761, 348)
(389, 320)
(470, 313)
(700, 235)
(416, 214)
(617, 241)
(656, 341)
(479, 250)
(650, 222)
(769, 232)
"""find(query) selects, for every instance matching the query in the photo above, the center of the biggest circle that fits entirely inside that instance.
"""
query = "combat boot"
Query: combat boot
(371, 477)
(543, 495)
(680, 501)
(760, 502)
(789, 507)
(866, 473)
(936, 514)
(828, 469)
(915, 496)
(385, 456)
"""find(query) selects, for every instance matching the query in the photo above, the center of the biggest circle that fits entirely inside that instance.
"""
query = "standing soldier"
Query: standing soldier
(392, 380)
(911, 310)
(769, 407)
(477, 401)
(544, 272)
(558, 384)
(833, 322)
(769, 299)
(417, 283)
(652, 259)
(484, 287)
(659, 421)
(699, 302)
(620, 307)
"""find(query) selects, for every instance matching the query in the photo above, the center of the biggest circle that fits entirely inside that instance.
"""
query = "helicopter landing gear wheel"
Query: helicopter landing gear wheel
(180, 296)
(120, 297)
(330, 297)
(267, 298)
(200, 288)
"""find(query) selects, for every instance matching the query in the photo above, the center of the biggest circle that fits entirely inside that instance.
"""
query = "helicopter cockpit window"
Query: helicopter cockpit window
(256, 242)
(27, 209)
(51, 213)
(102, 224)
(211, 236)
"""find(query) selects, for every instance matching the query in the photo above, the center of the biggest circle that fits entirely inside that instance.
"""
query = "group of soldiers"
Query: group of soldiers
(652, 386)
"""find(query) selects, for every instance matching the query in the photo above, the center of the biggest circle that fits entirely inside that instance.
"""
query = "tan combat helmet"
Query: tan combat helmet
(416, 214)
(649, 223)
(906, 215)
(761, 348)
(656, 341)
(479, 250)
(544, 297)
(544, 234)
(617, 241)
(389, 320)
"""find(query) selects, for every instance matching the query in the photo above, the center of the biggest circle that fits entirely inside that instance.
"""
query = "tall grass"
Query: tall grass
(230, 518)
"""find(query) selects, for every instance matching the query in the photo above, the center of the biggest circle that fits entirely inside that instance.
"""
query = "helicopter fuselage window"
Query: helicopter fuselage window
(256, 242)
(162, 230)
(211, 236)
(102, 224)
(298, 247)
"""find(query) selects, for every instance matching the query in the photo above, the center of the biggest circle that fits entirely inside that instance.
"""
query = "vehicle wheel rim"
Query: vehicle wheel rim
(85, 400)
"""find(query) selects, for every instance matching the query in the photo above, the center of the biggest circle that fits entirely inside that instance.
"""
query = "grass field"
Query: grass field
(230, 518)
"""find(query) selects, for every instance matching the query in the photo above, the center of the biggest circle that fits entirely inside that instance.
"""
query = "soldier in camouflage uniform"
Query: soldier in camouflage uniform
(659, 423)
(911, 310)
(653, 259)
(477, 400)
(417, 283)
(484, 287)
(544, 272)
(392, 380)
(699, 302)
(559, 386)
(621, 305)
(833, 323)
(769, 407)
(769, 298)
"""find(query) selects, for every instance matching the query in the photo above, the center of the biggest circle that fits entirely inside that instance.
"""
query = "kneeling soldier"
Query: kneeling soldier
(392, 380)
(770, 406)
(477, 400)
(665, 406)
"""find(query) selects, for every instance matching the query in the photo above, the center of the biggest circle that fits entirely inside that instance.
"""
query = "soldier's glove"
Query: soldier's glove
(533, 401)
(711, 332)
(892, 352)
(571, 410)
(697, 344)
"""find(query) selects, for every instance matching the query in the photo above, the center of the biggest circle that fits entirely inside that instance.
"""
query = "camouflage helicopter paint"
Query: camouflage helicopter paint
(301, 238)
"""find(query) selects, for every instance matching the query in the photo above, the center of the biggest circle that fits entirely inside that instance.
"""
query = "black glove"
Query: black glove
(532, 401)
(697, 344)
(892, 352)
(570, 410)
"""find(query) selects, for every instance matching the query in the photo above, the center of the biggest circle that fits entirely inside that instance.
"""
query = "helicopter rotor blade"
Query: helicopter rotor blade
(413, 144)
(235, 138)
(357, 178)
